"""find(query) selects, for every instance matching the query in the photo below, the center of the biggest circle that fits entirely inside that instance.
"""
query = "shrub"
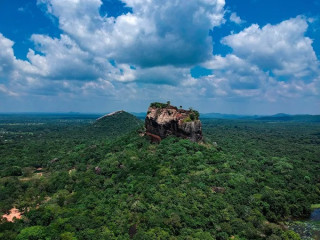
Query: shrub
(158, 105)
(13, 171)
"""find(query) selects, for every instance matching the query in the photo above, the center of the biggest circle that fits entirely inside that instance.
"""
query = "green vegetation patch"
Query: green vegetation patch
(98, 185)
(159, 105)
(117, 124)
(315, 206)
(194, 115)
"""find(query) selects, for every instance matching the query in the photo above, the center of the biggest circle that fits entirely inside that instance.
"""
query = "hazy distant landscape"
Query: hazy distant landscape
(160, 120)
(276, 117)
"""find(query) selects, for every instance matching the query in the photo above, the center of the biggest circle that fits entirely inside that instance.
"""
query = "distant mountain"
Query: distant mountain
(280, 115)
(117, 123)
(226, 116)
(291, 118)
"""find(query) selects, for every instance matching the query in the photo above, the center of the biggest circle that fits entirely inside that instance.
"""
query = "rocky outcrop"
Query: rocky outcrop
(153, 138)
(110, 114)
(218, 189)
(164, 120)
(97, 170)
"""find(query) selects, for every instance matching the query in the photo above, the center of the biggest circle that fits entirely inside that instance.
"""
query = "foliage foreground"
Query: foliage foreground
(74, 181)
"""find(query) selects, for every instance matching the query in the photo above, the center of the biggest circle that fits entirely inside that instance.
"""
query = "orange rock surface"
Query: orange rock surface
(14, 213)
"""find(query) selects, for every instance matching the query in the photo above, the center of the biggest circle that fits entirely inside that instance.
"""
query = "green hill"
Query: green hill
(116, 123)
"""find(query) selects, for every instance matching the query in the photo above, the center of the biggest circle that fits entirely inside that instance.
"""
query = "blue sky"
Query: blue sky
(242, 57)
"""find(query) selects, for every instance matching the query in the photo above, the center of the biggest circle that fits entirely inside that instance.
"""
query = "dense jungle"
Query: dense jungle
(72, 177)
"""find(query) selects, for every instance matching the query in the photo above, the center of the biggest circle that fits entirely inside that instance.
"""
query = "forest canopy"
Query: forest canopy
(74, 180)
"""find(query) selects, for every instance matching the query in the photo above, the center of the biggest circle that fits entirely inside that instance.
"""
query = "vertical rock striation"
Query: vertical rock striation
(164, 120)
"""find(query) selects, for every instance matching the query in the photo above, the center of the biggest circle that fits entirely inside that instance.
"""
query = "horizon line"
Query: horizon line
(103, 113)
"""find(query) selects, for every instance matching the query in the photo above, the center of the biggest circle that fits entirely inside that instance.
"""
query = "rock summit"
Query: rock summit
(164, 120)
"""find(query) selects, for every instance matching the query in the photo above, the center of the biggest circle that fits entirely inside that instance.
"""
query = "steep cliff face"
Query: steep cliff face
(164, 120)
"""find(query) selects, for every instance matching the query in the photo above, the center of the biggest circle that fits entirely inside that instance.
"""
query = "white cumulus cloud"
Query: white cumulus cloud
(147, 54)
(235, 18)
(283, 48)
(269, 63)
(155, 33)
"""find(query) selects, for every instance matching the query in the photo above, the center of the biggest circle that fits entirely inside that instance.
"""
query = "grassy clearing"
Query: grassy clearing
(315, 206)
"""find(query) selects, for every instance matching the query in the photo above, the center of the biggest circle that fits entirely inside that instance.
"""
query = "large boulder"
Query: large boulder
(164, 120)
